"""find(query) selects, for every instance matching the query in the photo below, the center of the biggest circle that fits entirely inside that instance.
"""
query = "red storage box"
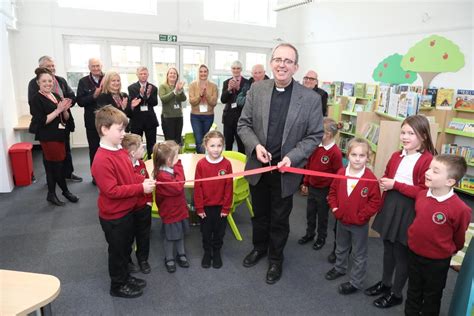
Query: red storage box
(22, 163)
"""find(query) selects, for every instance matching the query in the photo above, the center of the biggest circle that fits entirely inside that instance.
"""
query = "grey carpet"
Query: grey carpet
(68, 242)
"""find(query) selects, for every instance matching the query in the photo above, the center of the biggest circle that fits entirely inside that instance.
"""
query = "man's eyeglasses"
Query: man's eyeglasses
(310, 78)
(287, 62)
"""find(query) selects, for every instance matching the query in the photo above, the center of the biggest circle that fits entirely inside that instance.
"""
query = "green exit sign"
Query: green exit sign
(168, 38)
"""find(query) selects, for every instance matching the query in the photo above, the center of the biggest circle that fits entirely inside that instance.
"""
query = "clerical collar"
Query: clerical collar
(288, 87)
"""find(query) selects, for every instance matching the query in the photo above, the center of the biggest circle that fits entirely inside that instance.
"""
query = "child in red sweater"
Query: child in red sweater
(142, 216)
(404, 177)
(171, 202)
(326, 158)
(437, 233)
(213, 199)
(120, 190)
(353, 202)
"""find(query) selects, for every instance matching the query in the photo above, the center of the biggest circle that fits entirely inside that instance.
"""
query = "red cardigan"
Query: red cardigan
(439, 228)
(329, 161)
(141, 170)
(120, 188)
(419, 171)
(216, 192)
(361, 205)
(170, 197)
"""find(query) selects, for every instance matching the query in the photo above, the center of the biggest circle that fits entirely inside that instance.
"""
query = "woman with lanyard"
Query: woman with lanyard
(171, 95)
(203, 99)
(52, 118)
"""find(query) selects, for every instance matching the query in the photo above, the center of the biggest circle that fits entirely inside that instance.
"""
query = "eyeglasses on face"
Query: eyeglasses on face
(310, 78)
(286, 61)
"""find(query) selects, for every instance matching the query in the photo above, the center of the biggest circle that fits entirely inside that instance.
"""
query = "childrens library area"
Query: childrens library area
(237, 157)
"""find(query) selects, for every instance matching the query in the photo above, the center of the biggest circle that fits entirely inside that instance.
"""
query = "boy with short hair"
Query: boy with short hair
(120, 190)
(142, 215)
(437, 233)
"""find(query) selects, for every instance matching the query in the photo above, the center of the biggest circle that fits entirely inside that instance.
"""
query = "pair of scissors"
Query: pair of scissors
(269, 156)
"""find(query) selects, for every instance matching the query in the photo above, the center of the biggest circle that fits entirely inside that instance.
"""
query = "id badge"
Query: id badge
(61, 126)
(202, 108)
(143, 108)
(233, 105)
(177, 106)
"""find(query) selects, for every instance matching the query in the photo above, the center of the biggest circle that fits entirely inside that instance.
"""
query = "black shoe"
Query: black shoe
(377, 289)
(274, 273)
(52, 198)
(132, 268)
(74, 178)
(206, 260)
(144, 267)
(126, 291)
(346, 288)
(305, 239)
(216, 259)
(140, 283)
(170, 265)
(253, 257)
(71, 197)
(333, 274)
(332, 257)
(319, 243)
(182, 261)
(388, 300)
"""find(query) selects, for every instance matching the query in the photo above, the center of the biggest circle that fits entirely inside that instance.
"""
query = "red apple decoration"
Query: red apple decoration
(432, 43)
(412, 59)
(445, 56)
(407, 75)
(385, 65)
(380, 74)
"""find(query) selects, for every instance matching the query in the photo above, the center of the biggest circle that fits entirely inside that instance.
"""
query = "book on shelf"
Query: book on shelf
(464, 151)
(412, 104)
(383, 98)
(392, 108)
(467, 182)
(359, 107)
(402, 105)
(359, 90)
(444, 99)
(350, 104)
(403, 88)
(371, 91)
(371, 133)
(456, 125)
(428, 98)
(348, 89)
(464, 100)
(338, 87)
(469, 127)
(416, 89)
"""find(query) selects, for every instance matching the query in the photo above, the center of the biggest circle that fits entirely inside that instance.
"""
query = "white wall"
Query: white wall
(346, 41)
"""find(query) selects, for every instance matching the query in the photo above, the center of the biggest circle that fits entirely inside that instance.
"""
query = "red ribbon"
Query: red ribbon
(267, 169)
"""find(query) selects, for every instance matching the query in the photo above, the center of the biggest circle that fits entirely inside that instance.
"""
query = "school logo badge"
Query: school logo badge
(143, 172)
(364, 192)
(324, 159)
(222, 172)
(439, 218)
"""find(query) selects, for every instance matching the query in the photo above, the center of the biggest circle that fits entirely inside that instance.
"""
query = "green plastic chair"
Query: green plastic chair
(241, 193)
(154, 207)
(213, 127)
(189, 144)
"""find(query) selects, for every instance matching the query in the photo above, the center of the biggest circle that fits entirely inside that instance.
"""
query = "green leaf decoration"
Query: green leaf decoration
(390, 71)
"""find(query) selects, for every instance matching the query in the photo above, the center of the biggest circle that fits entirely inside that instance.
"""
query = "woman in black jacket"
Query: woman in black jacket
(111, 94)
(51, 118)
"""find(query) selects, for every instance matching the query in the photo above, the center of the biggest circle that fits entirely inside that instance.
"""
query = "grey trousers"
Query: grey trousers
(357, 237)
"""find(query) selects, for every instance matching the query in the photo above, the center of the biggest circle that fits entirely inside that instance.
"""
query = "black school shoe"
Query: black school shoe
(170, 265)
(182, 261)
(319, 243)
(74, 178)
(216, 259)
(333, 274)
(388, 300)
(71, 197)
(206, 260)
(346, 288)
(274, 273)
(136, 282)
(305, 239)
(126, 291)
(377, 289)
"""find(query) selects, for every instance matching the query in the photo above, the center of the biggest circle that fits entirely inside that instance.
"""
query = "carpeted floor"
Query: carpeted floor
(68, 242)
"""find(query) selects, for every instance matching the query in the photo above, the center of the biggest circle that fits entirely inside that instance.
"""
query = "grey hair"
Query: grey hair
(44, 58)
(290, 46)
(236, 63)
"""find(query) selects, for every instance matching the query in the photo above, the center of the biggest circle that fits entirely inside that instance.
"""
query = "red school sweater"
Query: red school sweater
(141, 170)
(216, 192)
(419, 171)
(439, 228)
(329, 161)
(363, 202)
(170, 196)
(120, 188)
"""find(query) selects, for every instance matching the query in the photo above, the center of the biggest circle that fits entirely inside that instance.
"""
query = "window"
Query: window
(224, 59)
(163, 57)
(147, 7)
(252, 59)
(125, 56)
(241, 11)
(191, 60)
(79, 55)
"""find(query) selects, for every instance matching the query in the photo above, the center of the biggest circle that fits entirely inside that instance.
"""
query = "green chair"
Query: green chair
(189, 144)
(213, 127)
(154, 207)
(241, 193)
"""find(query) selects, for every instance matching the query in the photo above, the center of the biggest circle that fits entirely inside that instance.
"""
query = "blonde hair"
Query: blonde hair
(212, 134)
(162, 153)
(131, 142)
(357, 141)
(107, 79)
(107, 116)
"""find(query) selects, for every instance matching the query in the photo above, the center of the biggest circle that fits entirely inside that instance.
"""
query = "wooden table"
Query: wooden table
(190, 161)
(23, 123)
(24, 292)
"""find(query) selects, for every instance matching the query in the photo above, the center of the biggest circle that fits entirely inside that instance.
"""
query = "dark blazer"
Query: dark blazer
(68, 93)
(85, 98)
(146, 119)
(40, 107)
(303, 129)
(324, 99)
(106, 98)
(228, 98)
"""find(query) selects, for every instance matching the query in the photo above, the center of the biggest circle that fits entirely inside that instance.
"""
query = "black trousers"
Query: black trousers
(93, 139)
(426, 282)
(150, 134)
(119, 236)
(68, 167)
(271, 221)
(141, 232)
(230, 133)
(172, 128)
(213, 229)
(317, 206)
(395, 261)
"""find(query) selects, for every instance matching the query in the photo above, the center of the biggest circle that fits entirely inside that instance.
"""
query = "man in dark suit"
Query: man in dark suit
(88, 89)
(310, 80)
(143, 117)
(62, 89)
(281, 124)
(230, 117)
